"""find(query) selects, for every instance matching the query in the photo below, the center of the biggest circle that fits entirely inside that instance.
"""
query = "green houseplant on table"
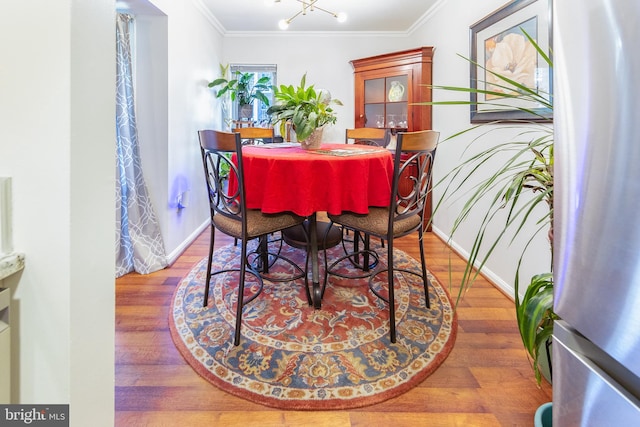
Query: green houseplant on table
(307, 110)
(242, 87)
(521, 186)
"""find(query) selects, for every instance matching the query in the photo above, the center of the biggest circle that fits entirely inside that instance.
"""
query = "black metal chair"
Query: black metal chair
(230, 215)
(378, 137)
(255, 135)
(252, 136)
(414, 156)
(368, 136)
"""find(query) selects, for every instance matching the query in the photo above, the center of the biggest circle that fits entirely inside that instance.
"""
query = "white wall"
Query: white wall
(151, 76)
(194, 54)
(448, 31)
(57, 142)
(325, 59)
(177, 53)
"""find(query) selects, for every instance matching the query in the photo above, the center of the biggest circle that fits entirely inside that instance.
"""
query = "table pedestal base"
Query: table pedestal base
(314, 235)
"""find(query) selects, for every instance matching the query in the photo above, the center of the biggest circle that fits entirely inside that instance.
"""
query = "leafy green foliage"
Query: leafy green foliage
(304, 107)
(535, 316)
(242, 87)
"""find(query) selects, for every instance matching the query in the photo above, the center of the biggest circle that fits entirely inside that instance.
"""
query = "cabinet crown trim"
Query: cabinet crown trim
(405, 57)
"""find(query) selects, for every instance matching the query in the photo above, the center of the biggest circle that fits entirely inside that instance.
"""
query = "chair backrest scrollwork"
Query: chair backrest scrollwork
(413, 169)
(217, 149)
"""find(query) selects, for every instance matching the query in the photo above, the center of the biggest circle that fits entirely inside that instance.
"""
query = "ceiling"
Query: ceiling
(362, 15)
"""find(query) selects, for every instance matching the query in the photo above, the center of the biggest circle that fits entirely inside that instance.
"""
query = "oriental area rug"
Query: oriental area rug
(292, 356)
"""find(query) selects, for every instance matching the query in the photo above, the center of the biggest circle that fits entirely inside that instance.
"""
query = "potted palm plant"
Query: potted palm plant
(242, 88)
(523, 187)
(308, 110)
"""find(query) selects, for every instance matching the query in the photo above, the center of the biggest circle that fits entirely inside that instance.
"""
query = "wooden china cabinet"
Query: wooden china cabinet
(386, 86)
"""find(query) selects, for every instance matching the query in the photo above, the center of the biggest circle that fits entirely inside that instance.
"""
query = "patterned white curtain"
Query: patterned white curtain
(139, 244)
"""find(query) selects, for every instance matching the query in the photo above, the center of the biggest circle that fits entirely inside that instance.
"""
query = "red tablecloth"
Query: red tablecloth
(304, 182)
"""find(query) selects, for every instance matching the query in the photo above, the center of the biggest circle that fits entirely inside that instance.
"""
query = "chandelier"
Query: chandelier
(307, 6)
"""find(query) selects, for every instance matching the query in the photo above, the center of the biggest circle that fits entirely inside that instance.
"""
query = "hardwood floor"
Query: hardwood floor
(485, 381)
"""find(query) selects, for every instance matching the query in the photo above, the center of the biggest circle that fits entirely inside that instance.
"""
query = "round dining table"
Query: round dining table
(332, 179)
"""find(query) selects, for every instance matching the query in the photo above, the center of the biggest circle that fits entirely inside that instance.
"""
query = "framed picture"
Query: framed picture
(498, 44)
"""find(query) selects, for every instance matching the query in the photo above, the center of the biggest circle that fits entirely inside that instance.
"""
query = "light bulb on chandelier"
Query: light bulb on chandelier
(307, 5)
(283, 24)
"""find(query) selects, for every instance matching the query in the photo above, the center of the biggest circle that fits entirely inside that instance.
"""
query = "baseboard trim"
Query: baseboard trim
(493, 278)
(175, 254)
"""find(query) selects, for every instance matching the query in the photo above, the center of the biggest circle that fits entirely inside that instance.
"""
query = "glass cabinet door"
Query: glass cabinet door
(391, 90)
(386, 101)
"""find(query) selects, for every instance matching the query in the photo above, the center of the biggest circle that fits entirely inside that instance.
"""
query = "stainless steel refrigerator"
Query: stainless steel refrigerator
(596, 348)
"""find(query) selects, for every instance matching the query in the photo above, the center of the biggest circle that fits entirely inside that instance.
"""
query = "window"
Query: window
(259, 109)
